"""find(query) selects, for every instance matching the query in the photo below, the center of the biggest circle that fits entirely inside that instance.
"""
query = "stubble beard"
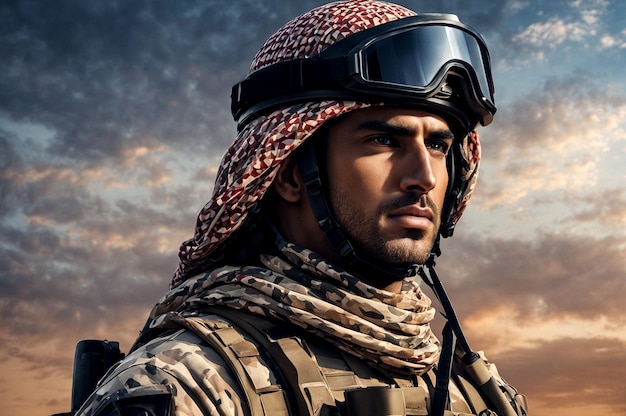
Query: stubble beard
(413, 247)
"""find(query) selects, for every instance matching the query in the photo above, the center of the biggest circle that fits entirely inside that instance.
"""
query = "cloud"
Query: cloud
(553, 276)
(553, 33)
(605, 207)
(590, 10)
(561, 376)
(122, 71)
(80, 253)
(611, 41)
(557, 30)
(536, 34)
(556, 138)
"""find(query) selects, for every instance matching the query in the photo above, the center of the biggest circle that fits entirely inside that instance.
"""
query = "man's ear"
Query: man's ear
(288, 182)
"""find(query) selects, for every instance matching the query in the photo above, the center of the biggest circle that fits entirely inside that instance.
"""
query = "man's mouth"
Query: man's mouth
(413, 217)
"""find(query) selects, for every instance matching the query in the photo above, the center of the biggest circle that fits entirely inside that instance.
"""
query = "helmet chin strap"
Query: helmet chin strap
(375, 272)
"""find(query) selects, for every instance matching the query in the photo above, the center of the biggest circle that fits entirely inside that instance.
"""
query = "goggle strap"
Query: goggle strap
(291, 77)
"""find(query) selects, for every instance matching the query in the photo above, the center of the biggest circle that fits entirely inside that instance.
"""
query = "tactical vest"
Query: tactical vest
(306, 386)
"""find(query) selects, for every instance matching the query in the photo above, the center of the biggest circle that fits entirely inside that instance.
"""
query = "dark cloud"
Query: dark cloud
(552, 276)
(605, 207)
(104, 73)
(96, 271)
(10, 162)
(569, 373)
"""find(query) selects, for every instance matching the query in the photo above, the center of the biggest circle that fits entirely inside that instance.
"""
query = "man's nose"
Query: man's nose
(418, 173)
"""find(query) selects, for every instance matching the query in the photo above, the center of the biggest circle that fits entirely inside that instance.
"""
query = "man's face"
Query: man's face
(387, 180)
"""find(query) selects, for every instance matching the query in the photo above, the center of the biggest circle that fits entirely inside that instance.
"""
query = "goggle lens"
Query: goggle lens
(414, 58)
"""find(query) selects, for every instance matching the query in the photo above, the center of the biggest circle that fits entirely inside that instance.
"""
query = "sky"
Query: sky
(114, 116)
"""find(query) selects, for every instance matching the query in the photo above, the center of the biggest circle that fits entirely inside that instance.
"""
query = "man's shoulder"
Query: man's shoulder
(176, 369)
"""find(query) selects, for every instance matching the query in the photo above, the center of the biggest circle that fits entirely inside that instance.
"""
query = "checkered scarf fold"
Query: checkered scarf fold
(388, 329)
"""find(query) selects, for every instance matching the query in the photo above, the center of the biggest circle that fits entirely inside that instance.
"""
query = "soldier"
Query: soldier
(300, 291)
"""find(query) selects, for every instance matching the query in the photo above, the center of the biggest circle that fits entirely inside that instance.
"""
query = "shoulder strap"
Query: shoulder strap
(292, 359)
(261, 397)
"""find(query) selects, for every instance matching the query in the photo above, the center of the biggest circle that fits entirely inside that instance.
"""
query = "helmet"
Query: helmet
(337, 58)
(428, 61)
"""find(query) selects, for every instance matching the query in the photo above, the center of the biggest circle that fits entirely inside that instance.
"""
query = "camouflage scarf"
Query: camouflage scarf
(391, 330)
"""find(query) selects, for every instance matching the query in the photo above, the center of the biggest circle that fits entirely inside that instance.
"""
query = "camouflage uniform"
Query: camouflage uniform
(348, 329)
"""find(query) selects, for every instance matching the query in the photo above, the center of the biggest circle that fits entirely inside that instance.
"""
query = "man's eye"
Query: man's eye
(439, 146)
(383, 140)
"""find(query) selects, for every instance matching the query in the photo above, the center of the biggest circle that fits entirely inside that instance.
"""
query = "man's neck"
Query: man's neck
(394, 287)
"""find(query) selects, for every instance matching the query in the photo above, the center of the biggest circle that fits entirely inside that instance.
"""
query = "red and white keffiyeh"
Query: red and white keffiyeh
(249, 166)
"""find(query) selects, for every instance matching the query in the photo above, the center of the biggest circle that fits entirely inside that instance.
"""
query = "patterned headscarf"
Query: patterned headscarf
(249, 166)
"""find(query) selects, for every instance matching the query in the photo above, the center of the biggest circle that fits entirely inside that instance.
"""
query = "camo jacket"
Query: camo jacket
(180, 373)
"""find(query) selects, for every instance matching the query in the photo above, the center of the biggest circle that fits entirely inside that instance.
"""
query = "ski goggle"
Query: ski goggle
(404, 62)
